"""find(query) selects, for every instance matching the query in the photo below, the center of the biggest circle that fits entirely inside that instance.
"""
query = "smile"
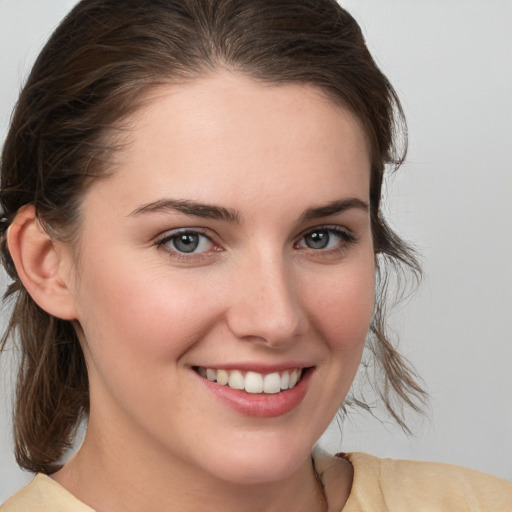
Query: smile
(253, 382)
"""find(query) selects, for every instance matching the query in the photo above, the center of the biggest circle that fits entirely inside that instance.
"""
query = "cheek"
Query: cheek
(342, 309)
(142, 316)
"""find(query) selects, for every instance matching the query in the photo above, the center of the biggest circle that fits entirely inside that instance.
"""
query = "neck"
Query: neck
(109, 478)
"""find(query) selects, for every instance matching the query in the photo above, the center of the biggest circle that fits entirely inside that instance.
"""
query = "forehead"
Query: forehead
(228, 135)
(223, 99)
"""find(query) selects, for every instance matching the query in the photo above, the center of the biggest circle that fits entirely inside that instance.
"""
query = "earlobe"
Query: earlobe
(40, 266)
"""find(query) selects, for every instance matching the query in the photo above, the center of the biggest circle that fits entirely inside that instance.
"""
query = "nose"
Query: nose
(265, 306)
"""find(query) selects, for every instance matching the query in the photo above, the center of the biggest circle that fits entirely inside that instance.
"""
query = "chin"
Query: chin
(257, 465)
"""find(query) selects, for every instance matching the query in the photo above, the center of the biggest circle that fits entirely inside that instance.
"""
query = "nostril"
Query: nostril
(265, 307)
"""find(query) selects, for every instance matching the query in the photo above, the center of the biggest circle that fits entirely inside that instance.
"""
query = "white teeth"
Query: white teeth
(272, 383)
(285, 380)
(236, 380)
(294, 376)
(222, 377)
(253, 382)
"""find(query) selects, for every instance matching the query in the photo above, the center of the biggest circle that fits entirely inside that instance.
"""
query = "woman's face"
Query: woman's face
(232, 243)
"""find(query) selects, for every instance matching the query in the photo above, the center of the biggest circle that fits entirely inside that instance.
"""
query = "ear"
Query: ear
(43, 265)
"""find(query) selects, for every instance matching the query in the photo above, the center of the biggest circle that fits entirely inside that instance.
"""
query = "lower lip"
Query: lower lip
(261, 405)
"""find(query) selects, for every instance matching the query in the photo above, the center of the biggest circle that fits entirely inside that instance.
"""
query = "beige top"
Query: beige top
(380, 485)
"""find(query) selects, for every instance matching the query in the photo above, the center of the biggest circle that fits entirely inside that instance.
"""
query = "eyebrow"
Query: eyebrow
(188, 207)
(208, 211)
(334, 208)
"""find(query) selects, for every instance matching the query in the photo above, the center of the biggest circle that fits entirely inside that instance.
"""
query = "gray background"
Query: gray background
(451, 62)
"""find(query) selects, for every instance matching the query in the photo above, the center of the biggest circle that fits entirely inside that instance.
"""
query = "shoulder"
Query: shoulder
(43, 495)
(412, 485)
(388, 485)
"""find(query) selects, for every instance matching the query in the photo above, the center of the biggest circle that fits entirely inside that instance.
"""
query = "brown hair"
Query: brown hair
(90, 76)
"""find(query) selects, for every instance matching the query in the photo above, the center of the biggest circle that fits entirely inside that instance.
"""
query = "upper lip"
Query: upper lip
(262, 368)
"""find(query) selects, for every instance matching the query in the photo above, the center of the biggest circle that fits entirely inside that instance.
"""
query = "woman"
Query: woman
(192, 222)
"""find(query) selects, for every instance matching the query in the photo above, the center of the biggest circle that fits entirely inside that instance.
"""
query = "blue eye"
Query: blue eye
(187, 242)
(325, 238)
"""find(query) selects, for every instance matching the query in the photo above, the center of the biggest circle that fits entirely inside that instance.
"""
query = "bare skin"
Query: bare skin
(257, 289)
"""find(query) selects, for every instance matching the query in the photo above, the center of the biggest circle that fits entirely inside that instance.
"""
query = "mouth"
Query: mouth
(253, 382)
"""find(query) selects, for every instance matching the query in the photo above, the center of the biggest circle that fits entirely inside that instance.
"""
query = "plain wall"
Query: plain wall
(451, 63)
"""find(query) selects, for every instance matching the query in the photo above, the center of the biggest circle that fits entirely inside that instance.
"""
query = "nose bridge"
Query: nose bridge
(266, 305)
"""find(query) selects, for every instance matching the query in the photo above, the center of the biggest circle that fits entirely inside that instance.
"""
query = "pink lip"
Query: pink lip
(260, 405)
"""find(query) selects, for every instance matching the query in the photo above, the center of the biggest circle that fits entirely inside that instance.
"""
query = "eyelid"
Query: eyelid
(171, 233)
(347, 237)
(163, 239)
(332, 228)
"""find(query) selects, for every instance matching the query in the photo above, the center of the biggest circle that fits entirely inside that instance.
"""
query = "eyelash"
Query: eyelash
(344, 236)
(163, 243)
